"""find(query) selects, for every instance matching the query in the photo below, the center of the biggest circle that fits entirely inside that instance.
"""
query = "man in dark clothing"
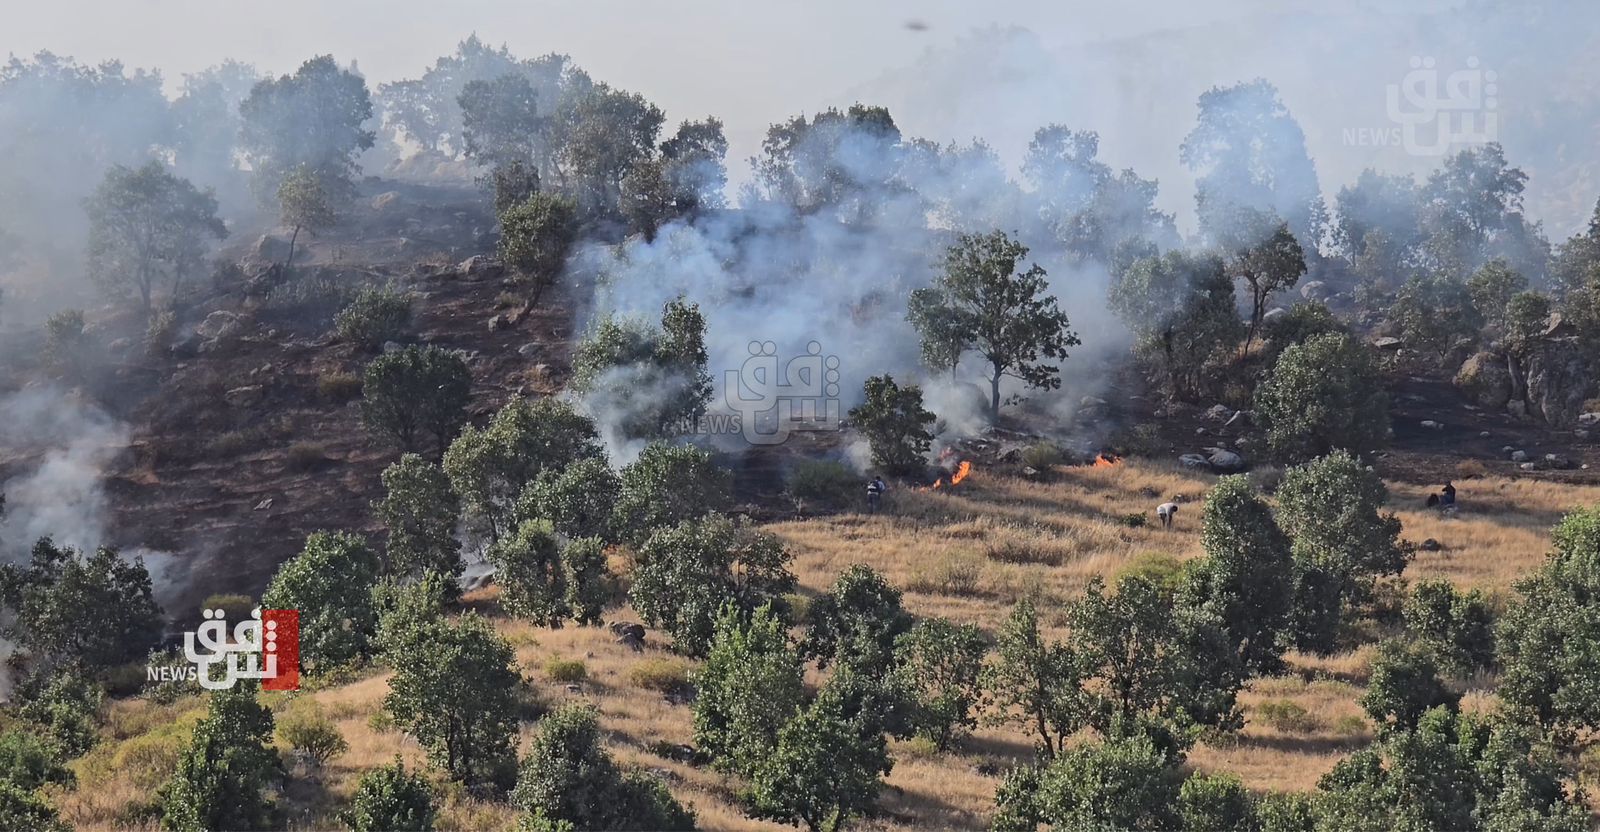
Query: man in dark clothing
(875, 491)
(1447, 500)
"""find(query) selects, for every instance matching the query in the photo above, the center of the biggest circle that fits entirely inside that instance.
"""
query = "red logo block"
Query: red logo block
(280, 639)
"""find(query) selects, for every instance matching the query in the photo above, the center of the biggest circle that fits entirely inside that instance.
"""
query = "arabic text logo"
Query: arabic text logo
(1436, 113)
(804, 398)
(266, 646)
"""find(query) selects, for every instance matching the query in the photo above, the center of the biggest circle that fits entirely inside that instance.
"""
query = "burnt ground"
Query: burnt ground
(232, 488)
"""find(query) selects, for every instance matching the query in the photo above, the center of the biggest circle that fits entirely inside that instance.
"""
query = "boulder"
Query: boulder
(1429, 545)
(387, 201)
(217, 324)
(1388, 342)
(1315, 290)
(1589, 420)
(1485, 379)
(270, 248)
(1219, 413)
(1224, 461)
(1273, 314)
(1559, 382)
(1240, 419)
(1432, 425)
(1194, 461)
(481, 266)
(1519, 456)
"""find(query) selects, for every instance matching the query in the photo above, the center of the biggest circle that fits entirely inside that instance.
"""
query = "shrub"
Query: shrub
(338, 387)
(376, 314)
(388, 799)
(1286, 716)
(416, 391)
(305, 456)
(663, 675)
(1011, 550)
(65, 342)
(957, 574)
(1042, 455)
(1134, 520)
(565, 670)
(825, 481)
(159, 333)
(311, 735)
(895, 424)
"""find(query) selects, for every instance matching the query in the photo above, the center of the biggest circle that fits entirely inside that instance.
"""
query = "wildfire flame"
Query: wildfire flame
(962, 472)
(1106, 460)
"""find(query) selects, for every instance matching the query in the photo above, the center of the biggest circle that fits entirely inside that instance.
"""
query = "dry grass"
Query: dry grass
(966, 554)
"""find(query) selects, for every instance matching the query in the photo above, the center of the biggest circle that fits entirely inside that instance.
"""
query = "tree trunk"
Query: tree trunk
(994, 395)
(289, 261)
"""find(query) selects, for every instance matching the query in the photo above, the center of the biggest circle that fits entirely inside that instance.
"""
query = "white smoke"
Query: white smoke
(70, 443)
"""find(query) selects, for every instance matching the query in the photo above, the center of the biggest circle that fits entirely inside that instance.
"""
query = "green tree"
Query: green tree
(1247, 576)
(895, 424)
(535, 236)
(1300, 324)
(1456, 628)
(1035, 683)
(1436, 312)
(1183, 310)
(390, 799)
(500, 120)
(222, 776)
(1548, 638)
(590, 585)
(1491, 288)
(665, 486)
(1323, 395)
(1268, 266)
(330, 582)
(750, 684)
(653, 378)
(1003, 312)
(420, 509)
(454, 688)
(65, 705)
(314, 119)
(1216, 803)
(1332, 507)
(826, 767)
(1117, 784)
(578, 499)
(490, 468)
(416, 391)
(684, 574)
(148, 227)
(941, 664)
(29, 761)
(568, 780)
(532, 578)
(1405, 685)
(304, 204)
(605, 133)
(857, 622)
(96, 611)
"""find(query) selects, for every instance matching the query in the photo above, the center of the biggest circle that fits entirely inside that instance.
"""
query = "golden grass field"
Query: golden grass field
(967, 554)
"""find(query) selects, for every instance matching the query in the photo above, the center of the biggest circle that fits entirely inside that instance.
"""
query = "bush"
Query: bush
(565, 670)
(1286, 716)
(305, 456)
(660, 674)
(338, 387)
(416, 391)
(65, 343)
(388, 799)
(685, 574)
(376, 314)
(1323, 395)
(159, 333)
(824, 481)
(311, 735)
(895, 424)
(1043, 455)
(1012, 550)
(1134, 520)
(956, 574)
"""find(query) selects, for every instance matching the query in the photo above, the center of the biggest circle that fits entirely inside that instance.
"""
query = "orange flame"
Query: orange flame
(1106, 460)
(962, 471)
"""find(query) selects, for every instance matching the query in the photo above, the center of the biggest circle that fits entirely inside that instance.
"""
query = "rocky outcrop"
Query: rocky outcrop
(1559, 381)
(1485, 378)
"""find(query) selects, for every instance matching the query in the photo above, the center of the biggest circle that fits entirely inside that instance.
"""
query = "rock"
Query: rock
(1557, 461)
(1432, 425)
(1519, 456)
(497, 323)
(245, 397)
(1219, 413)
(264, 504)
(1589, 420)
(574, 689)
(120, 345)
(1274, 314)
(1194, 461)
(268, 247)
(1225, 461)
(1314, 290)
(1581, 433)
(1485, 378)
(481, 266)
(528, 350)
(1529, 466)
(387, 201)
(217, 324)
(1430, 545)
(392, 346)
(1201, 431)
(1559, 381)
(1388, 342)
(1483, 434)
(1240, 419)
(1506, 449)
(1556, 326)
